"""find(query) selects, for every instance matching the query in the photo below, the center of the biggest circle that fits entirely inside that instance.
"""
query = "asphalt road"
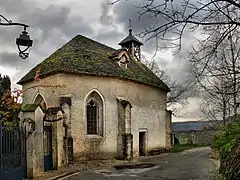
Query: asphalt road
(189, 165)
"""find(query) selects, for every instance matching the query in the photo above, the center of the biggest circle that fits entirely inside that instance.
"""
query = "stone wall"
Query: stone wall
(195, 137)
(148, 111)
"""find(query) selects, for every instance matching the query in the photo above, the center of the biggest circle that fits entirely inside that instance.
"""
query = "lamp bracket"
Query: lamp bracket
(22, 53)
(10, 23)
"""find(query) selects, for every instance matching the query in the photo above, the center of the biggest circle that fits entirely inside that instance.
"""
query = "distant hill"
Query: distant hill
(190, 126)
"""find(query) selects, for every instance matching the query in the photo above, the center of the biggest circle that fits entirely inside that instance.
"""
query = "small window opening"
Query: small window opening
(86, 56)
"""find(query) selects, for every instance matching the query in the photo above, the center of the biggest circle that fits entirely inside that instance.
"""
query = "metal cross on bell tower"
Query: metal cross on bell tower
(132, 44)
(130, 24)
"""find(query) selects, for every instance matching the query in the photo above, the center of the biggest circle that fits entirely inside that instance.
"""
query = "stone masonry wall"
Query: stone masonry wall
(196, 137)
(148, 111)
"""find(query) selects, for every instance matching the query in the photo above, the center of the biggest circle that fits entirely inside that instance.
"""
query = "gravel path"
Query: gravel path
(189, 165)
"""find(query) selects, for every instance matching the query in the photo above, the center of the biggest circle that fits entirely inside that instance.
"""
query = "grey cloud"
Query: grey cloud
(163, 63)
(125, 10)
(50, 18)
(192, 113)
(56, 18)
(8, 59)
(45, 20)
(110, 37)
(106, 18)
(11, 7)
(8, 35)
(77, 25)
(50, 27)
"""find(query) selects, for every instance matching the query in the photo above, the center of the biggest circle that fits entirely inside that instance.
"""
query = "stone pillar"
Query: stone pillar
(29, 146)
(67, 119)
(168, 127)
(70, 149)
(38, 156)
(54, 145)
(127, 146)
(57, 144)
(34, 140)
(121, 130)
(60, 143)
(54, 115)
(128, 119)
(65, 103)
(125, 138)
(128, 137)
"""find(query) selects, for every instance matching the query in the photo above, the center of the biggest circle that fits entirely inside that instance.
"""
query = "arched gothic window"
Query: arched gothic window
(94, 114)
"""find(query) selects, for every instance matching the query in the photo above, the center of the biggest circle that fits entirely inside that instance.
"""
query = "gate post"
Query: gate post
(1, 167)
(54, 115)
(60, 143)
(34, 140)
(23, 140)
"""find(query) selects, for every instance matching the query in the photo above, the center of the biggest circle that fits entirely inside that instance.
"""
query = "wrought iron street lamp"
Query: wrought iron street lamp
(23, 42)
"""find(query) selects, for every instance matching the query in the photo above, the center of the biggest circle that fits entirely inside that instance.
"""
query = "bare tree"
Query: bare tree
(216, 106)
(178, 91)
(214, 61)
(217, 74)
(174, 17)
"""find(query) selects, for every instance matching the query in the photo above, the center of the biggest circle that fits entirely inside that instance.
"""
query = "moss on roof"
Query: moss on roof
(29, 107)
(82, 55)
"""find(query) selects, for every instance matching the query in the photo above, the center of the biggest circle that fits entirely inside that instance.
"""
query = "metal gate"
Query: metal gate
(12, 153)
(47, 144)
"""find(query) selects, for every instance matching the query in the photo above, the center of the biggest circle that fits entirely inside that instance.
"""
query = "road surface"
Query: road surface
(192, 164)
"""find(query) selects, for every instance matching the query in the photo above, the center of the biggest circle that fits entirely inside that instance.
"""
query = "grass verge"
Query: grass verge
(183, 147)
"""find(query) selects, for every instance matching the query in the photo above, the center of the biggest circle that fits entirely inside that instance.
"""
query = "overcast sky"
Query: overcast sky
(53, 23)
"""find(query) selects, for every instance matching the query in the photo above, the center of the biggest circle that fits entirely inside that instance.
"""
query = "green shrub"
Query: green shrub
(225, 139)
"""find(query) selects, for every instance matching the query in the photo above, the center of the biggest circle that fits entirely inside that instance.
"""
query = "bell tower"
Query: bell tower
(132, 45)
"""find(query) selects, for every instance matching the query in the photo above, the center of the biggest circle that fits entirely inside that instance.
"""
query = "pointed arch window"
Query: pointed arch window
(94, 114)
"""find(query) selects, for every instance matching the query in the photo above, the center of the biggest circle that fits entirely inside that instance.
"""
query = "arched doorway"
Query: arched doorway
(47, 135)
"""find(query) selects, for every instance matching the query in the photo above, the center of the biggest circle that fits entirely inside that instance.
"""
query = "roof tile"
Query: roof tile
(82, 55)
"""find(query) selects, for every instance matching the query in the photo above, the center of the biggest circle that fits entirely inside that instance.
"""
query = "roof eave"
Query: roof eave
(21, 82)
(126, 42)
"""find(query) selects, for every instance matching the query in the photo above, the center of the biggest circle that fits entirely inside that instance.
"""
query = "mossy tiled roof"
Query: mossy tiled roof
(28, 107)
(82, 55)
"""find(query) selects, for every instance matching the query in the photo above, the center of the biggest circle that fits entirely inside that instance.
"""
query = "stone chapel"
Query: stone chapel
(91, 101)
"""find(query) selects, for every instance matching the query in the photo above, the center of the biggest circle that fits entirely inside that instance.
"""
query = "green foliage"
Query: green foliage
(5, 84)
(10, 107)
(225, 139)
(182, 147)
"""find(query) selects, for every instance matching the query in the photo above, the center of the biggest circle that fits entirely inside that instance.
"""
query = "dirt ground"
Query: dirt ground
(192, 164)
